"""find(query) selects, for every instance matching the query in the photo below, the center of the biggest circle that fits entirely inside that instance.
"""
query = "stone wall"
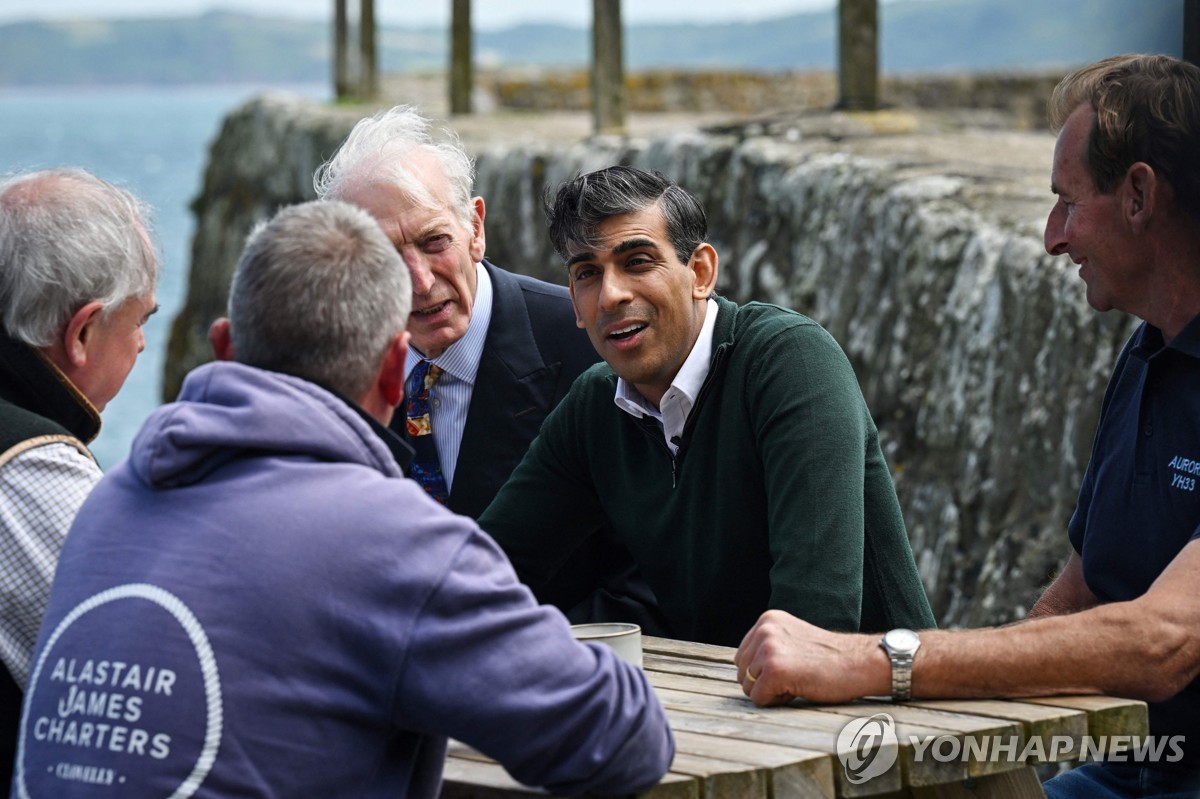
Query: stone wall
(918, 247)
(264, 157)
(1020, 96)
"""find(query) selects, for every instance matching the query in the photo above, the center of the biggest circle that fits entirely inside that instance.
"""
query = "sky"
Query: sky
(486, 14)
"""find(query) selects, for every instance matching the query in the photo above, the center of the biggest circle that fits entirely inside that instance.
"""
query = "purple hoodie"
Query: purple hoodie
(258, 603)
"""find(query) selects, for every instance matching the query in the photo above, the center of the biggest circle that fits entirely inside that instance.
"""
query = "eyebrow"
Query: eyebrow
(439, 227)
(152, 312)
(623, 247)
(634, 244)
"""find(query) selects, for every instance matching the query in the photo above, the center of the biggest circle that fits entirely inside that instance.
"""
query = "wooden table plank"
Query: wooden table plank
(982, 730)
(950, 723)
(796, 738)
(727, 748)
(1037, 719)
(687, 649)
(1019, 784)
(1106, 715)
(689, 666)
(683, 666)
(699, 685)
(722, 779)
(826, 726)
(790, 772)
(470, 774)
(477, 779)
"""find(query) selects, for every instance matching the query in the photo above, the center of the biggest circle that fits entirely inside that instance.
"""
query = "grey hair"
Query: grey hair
(318, 293)
(68, 238)
(380, 149)
(582, 204)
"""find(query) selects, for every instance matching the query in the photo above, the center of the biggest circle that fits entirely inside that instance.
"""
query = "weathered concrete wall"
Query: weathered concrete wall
(920, 250)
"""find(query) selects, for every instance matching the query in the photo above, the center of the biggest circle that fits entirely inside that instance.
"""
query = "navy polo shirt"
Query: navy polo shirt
(1139, 504)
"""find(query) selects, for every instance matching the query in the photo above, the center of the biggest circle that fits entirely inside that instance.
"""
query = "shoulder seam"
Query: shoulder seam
(41, 441)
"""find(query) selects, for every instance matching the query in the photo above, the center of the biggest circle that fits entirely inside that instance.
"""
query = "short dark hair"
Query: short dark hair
(582, 204)
(1147, 109)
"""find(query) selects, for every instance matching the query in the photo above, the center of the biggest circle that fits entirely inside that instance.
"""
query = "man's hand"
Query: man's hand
(783, 658)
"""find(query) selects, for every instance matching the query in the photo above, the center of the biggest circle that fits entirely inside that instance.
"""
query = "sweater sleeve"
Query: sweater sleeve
(548, 509)
(489, 667)
(811, 427)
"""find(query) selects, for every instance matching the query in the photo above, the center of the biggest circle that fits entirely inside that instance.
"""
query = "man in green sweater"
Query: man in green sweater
(728, 447)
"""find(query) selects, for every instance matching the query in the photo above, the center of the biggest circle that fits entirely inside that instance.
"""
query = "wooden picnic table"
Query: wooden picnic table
(728, 748)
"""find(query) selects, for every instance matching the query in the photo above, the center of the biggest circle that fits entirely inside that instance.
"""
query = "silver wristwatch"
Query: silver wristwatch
(901, 645)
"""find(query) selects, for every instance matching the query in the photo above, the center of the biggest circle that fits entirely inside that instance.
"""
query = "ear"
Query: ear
(478, 239)
(220, 339)
(1139, 195)
(78, 333)
(390, 383)
(704, 271)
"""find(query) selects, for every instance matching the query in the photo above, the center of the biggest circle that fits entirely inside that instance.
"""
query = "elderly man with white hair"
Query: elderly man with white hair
(493, 352)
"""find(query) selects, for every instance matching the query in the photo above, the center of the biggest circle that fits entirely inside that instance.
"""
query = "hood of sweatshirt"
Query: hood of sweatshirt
(228, 410)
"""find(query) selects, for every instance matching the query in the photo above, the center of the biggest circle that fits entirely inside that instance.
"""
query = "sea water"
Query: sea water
(153, 141)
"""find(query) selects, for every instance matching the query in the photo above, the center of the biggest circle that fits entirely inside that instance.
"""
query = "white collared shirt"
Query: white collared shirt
(450, 397)
(675, 405)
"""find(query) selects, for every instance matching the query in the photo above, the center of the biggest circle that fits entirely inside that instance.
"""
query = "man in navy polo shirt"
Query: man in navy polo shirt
(1124, 615)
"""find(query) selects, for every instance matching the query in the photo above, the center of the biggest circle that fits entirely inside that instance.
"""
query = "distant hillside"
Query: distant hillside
(916, 35)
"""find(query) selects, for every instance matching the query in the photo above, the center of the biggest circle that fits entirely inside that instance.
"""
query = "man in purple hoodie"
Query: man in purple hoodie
(258, 603)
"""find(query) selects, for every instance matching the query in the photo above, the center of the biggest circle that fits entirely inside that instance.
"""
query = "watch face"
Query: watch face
(902, 640)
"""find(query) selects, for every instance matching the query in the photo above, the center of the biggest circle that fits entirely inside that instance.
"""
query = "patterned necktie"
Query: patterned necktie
(426, 469)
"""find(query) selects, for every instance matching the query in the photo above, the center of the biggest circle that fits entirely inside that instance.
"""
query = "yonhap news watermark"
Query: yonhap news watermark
(869, 746)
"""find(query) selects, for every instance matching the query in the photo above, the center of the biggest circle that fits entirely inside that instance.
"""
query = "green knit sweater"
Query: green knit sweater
(779, 497)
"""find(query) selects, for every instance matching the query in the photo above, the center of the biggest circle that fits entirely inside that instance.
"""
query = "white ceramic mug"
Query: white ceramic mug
(625, 638)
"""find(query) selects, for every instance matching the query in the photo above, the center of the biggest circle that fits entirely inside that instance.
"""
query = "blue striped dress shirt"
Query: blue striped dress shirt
(450, 397)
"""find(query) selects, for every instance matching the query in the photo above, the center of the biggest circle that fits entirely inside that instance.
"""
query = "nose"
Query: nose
(421, 273)
(1055, 237)
(614, 290)
(141, 340)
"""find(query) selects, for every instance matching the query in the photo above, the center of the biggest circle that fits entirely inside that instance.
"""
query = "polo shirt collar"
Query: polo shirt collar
(1188, 340)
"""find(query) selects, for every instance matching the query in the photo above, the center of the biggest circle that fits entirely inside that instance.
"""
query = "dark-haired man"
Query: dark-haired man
(728, 447)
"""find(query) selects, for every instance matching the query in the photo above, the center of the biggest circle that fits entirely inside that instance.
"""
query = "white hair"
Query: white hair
(380, 149)
(68, 238)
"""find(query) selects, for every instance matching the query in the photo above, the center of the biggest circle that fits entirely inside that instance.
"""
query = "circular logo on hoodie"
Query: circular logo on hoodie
(125, 698)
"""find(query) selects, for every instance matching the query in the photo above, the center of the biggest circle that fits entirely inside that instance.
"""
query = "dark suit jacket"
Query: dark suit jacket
(532, 354)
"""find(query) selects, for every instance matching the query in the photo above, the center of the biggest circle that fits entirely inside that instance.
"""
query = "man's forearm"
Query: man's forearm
(1146, 648)
(1119, 648)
